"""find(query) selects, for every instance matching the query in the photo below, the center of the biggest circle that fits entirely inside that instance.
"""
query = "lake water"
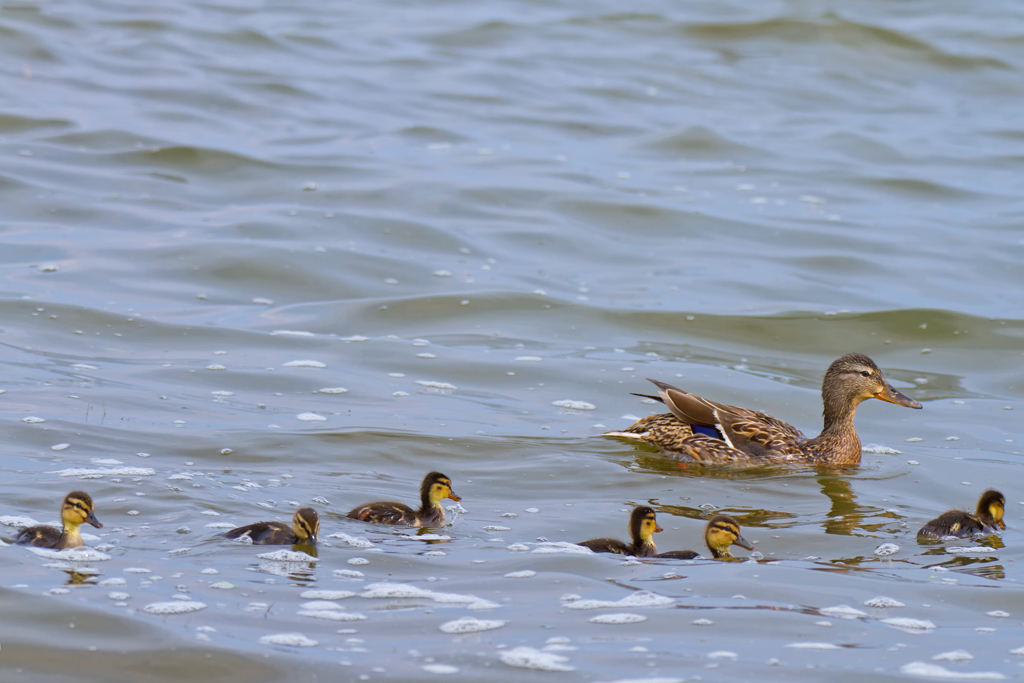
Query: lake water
(220, 215)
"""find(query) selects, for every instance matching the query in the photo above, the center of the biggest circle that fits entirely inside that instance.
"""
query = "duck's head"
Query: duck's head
(643, 524)
(721, 532)
(77, 508)
(855, 378)
(306, 525)
(990, 508)
(436, 487)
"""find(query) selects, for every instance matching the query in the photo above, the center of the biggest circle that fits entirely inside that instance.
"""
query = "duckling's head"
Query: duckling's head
(721, 532)
(436, 487)
(990, 508)
(643, 524)
(77, 508)
(855, 378)
(306, 525)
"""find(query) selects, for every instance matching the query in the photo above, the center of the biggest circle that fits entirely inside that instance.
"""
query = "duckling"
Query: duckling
(642, 527)
(714, 433)
(721, 532)
(435, 488)
(77, 508)
(962, 524)
(304, 530)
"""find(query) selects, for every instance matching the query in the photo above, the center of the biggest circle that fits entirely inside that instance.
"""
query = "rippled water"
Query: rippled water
(218, 216)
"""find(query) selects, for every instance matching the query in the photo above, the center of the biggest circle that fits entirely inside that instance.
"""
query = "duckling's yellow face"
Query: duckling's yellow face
(723, 532)
(441, 489)
(306, 524)
(77, 508)
(995, 509)
(649, 526)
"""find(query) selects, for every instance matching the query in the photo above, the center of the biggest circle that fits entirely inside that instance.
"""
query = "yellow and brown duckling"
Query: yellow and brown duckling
(986, 520)
(76, 509)
(715, 433)
(304, 530)
(720, 532)
(435, 488)
(643, 524)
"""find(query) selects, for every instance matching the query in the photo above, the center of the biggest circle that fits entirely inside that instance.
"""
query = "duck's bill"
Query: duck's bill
(743, 543)
(1001, 524)
(892, 396)
(92, 520)
(657, 528)
(451, 494)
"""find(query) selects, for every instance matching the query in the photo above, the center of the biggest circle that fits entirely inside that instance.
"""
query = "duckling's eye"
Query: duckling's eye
(865, 373)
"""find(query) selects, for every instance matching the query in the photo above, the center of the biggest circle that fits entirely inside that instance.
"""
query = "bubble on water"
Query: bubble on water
(104, 471)
(326, 595)
(174, 607)
(909, 625)
(287, 556)
(515, 547)
(637, 599)
(223, 585)
(358, 561)
(352, 541)
(878, 448)
(926, 670)
(813, 646)
(954, 656)
(914, 439)
(348, 574)
(723, 654)
(333, 615)
(32, 419)
(440, 669)
(887, 549)
(17, 521)
(289, 639)
(702, 622)
(966, 550)
(437, 385)
(311, 417)
(530, 658)
(471, 625)
(882, 602)
(80, 554)
(117, 595)
(116, 581)
(842, 612)
(60, 446)
(524, 574)
(304, 364)
(292, 333)
(551, 547)
(216, 366)
(574, 405)
(998, 613)
(404, 590)
(620, 618)
(333, 390)
(528, 359)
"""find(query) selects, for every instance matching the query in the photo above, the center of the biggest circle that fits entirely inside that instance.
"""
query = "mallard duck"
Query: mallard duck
(642, 527)
(304, 530)
(77, 508)
(720, 532)
(715, 433)
(435, 488)
(962, 524)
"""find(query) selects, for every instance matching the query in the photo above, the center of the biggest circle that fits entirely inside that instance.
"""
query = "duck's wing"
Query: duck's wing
(749, 431)
(607, 545)
(385, 512)
(39, 536)
(665, 430)
(264, 533)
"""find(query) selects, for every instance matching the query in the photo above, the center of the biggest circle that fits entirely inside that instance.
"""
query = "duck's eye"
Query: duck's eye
(865, 373)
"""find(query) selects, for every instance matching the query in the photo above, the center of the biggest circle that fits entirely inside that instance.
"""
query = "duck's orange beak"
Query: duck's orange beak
(451, 494)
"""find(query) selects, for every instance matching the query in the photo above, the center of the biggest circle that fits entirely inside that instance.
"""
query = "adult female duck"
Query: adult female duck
(715, 433)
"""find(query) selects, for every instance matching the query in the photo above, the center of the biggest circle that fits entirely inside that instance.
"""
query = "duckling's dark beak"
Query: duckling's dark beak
(657, 528)
(743, 543)
(451, 494)
(892, 396)
(1001, 524)
(92, 520)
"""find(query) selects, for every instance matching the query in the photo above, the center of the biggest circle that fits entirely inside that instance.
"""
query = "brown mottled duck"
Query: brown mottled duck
(76, 509)
(304, 530)
(720, 532)
(435, 488)
(642, 526)
(986, 520)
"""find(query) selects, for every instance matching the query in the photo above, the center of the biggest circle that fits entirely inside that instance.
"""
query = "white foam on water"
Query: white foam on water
(723, 654)
(702, 622)
(286, 556)
(471, 625)
(437, 385)
(326, 595)
(530, 658)
(926, 670)
(352, 541)
(333, 390)
(440, 669)
(137, 570)
(620, 618)
(428, 537)
(80, 554)
(311, 417)
(954, 656)
(104, 471)
(883, 450)
(174, 607)
(116, 581)
(524, 574)
(887, 549)
(333, 615)
(220, 525)
(17, 521)
(222, 585)
(493, 527)
(813, 646)
(105, 461)
(909, 625)
(966, 550)
(998, 613)
(528, 359)
(883, 602)
(553, 547)
(348, 574)
(305, 364)
(842, 612)
(31, 419)
(518, 547)
(292, 333)
(117, 595)
(354, 338)
(574, 405)
(638, 599)
(404, 590)
(289, 639)
(358, 561)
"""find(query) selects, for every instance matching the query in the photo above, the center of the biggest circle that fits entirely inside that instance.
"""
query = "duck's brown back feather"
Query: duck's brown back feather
(266, 533)
(386, 512)
(957, 523)
(39, 536)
